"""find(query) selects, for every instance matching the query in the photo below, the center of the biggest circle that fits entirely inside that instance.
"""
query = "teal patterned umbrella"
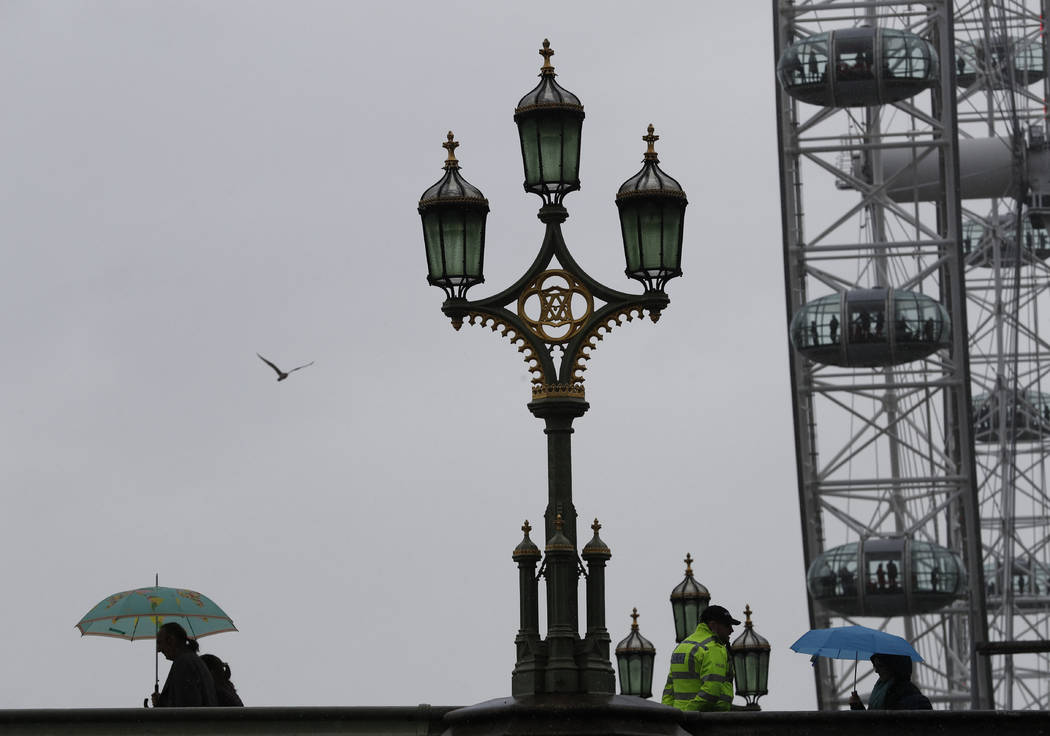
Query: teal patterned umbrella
(137, 614)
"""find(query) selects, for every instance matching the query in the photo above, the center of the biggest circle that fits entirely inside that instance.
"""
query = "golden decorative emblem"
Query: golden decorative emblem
(555, 306)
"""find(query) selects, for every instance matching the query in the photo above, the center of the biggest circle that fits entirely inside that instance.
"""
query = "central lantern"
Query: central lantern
(550, 122)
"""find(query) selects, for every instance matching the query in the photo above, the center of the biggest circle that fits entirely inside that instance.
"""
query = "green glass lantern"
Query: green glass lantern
(550, 123)
(634, 660)
(652, 216)
(688, 600)
(750, 654)
(454, 213)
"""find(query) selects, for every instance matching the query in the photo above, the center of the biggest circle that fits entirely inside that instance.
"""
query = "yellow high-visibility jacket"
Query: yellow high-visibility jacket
(700, 677)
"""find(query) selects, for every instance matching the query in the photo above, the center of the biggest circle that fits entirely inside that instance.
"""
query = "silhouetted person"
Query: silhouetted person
(880, 323)
(827, 584)
(900, 327)
(960, 64)
(220, 673)
(894, 689)
(891, 573)
(848, 586)
(1020, 582)
(814, 71)
(862, 326)
(935, 575)
(189, 683)
(880, 575)
(833, 328)
(927, 329)
(813, 332)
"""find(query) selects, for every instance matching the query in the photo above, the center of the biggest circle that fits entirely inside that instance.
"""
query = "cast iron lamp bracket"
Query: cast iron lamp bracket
(556, 361)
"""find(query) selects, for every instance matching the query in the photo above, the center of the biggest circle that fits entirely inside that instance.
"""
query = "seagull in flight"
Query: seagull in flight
(281, 375)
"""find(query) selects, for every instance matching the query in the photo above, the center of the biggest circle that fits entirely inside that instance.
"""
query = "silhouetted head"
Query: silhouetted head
(719, 621)
(173, 640)
(220, 671)
(892, 666)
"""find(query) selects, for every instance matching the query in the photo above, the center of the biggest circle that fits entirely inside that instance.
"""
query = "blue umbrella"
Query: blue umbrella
(853, 642)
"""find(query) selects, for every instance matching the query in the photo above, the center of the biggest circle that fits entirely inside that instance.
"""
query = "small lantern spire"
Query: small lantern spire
(688, 565)
(596, 548)
(634, 619)
(558, 541)
(651, 138)
(526, 549)
(451, 145)
(546, 52)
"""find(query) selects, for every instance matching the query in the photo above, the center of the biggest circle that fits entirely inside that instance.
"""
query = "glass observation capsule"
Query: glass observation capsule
(1006, 63)
(981, 239)
(454, 213)
(858, 67)
(652, 217)
(1028, 579)
(550, 125)
(1023, 416)
(886, 577)
(870, 327)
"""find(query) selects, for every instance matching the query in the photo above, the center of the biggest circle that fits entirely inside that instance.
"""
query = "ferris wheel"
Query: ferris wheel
(915, 193)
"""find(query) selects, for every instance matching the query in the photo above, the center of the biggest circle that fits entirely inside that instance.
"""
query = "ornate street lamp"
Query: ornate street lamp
(634, 660)
(555, 314)
(688, 601)
(454, 212)
(750, 654)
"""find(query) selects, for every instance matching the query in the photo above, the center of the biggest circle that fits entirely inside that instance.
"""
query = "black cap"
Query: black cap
(719, 614)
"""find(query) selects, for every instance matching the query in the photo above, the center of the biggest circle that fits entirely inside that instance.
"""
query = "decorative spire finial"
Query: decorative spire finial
(596, 526)
(526, 527)
(451, 145)
(688, 565)
(634, 622)
(747, 614)
(546, 53)
(651, 139)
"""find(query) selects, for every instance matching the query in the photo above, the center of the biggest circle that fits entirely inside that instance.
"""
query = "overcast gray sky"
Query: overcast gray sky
(187, 183)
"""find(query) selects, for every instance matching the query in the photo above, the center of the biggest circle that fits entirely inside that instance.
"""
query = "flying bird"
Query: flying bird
(281, 375)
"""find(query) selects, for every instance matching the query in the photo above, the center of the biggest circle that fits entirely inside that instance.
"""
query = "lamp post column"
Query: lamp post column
(558, 415)
(561, 569)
